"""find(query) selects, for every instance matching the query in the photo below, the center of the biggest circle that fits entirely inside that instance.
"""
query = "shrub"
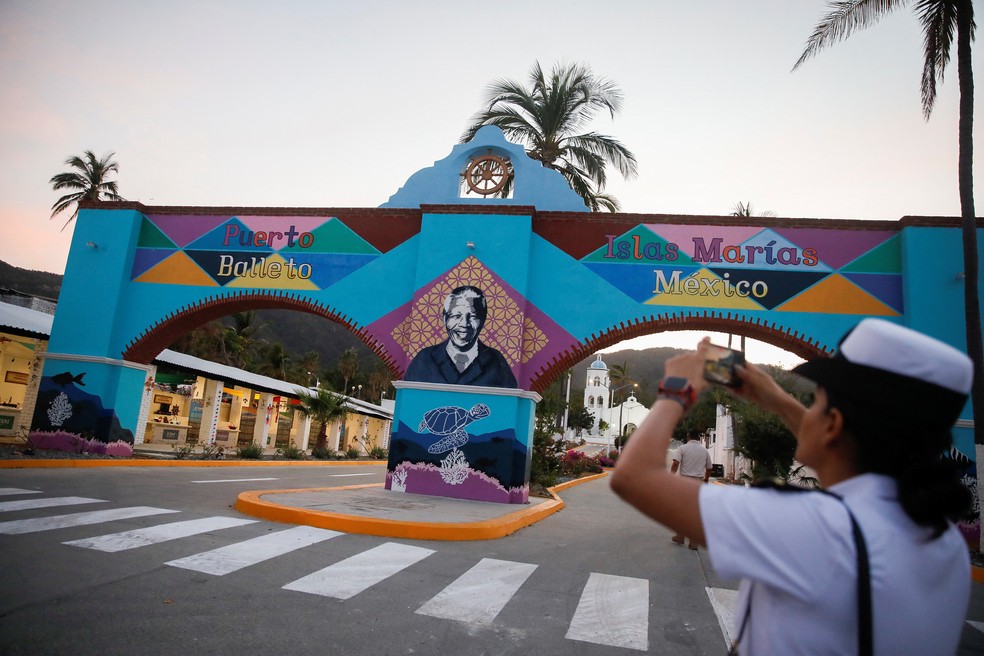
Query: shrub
(183, 451)
(323, 452)
(605, 461)
(352, 453)
(378, 453)
(250, 451)
(291, 452)
(576, 463)
(212, 451)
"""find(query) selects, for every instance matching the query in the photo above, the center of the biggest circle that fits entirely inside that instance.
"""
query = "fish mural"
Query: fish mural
(66, 378)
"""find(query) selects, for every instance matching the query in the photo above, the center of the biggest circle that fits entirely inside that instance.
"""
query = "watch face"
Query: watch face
(674, 384)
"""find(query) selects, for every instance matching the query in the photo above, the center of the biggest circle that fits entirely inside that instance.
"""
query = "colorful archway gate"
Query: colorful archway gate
(536, 278)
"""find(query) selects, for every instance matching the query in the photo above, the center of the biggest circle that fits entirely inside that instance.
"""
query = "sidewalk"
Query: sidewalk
(372, 510)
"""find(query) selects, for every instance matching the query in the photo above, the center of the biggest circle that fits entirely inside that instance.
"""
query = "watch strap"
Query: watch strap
(677, 389)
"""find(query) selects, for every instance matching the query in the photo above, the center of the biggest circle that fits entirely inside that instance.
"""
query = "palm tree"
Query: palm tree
(348, 366)
(379, 381)
(322, 406)
(88, 180)
(549, 118)
(619, 374)
(273, 361)
(744, 210)
(939, 20)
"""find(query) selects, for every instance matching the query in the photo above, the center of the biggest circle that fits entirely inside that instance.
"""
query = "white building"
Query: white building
(596, 386)
(721, 444)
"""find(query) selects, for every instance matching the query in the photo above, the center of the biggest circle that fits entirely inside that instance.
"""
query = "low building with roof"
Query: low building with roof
(192, 400)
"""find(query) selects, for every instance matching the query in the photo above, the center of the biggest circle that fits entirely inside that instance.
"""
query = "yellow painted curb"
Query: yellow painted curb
(251, 503)
(55, 463)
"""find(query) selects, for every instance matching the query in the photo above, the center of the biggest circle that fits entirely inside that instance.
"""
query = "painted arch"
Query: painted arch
(560, 283)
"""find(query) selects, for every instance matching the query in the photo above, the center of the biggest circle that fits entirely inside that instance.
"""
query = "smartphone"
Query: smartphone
(719, 367)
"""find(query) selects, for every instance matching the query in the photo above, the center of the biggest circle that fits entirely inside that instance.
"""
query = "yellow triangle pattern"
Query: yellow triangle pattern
(836, 294)
(701, 298)
(507, 328)
(178, 269)
(262, 277)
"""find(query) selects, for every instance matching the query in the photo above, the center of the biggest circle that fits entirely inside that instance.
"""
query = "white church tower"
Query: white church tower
(596, 388)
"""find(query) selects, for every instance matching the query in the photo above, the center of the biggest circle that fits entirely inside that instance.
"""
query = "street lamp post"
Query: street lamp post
(611, 404)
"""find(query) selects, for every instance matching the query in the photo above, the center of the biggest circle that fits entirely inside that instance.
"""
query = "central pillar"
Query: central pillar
(462, 441)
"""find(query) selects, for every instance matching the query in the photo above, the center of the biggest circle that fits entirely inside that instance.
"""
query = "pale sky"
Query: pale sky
(323, 103)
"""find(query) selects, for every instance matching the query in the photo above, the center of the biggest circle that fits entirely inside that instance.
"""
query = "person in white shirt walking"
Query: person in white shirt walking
(693, 461)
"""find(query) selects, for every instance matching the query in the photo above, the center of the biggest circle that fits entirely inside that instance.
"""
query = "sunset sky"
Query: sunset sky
(335, 104)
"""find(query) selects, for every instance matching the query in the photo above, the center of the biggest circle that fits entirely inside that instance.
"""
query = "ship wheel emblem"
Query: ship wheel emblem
(488, 174)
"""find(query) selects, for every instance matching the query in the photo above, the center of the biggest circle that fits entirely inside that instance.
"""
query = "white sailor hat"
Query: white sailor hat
(891, 366)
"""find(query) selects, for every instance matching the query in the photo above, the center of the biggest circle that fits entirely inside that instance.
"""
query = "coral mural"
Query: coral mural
(484, 467)
(425, 478)
(63, 407)
(62, 441)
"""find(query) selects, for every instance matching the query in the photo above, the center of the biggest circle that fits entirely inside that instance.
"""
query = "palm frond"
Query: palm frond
(548, 116)
(844, 19)
(939, 23)
(88, 180)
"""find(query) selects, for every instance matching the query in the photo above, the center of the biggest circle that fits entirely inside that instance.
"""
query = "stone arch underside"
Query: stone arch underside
(163, 333)
(793, 341)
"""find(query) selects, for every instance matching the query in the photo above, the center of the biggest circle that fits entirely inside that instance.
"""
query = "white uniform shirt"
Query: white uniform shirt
(795, 552)
(694, 459)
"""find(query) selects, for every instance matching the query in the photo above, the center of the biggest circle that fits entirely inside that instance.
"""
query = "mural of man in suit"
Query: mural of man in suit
(461, 359)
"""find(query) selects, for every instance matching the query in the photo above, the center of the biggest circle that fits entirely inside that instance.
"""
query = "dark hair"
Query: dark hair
(916, 456)
(476, 296)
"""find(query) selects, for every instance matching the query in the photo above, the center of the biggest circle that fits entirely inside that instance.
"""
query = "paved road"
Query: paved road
(149, 561)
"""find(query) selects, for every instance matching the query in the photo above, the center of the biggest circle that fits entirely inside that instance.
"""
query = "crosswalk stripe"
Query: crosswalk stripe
(234, 557)
(37, 524)
(9, 491)
(351, 576)
(723, 601)
(479, 594)
(47, 502)
(146, 536)
(613, 610)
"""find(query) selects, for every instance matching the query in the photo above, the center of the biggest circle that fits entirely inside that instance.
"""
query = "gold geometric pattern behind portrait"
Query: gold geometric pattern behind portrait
(506, 327)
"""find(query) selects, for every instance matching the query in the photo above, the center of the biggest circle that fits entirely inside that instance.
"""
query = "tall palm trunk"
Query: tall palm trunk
(972, 306)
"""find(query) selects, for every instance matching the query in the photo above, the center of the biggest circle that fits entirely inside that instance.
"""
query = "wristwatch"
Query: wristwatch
(677, 389)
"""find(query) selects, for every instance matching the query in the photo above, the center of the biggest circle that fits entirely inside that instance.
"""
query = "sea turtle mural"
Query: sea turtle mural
(449, 421)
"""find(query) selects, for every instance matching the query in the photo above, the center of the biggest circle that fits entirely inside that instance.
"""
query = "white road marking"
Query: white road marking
(977, 625)
(236, 480)
(344, 475)
(47, 502)
(351, 576)
(479, 594)
(146, 536)
(613, 610)
(8, 491)
(723, 601)
(38, 524)
(234, 557)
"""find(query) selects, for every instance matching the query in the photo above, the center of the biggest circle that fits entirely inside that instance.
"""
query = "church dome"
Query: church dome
(598, 364)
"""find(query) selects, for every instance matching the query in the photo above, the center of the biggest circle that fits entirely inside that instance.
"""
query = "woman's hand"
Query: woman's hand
(761, 389)
(690, 365)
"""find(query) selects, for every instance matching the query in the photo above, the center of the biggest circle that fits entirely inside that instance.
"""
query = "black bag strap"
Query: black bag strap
(865, 621)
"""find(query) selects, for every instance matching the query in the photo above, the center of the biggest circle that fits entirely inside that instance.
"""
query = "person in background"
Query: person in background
(871, 563)
(693, 461)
